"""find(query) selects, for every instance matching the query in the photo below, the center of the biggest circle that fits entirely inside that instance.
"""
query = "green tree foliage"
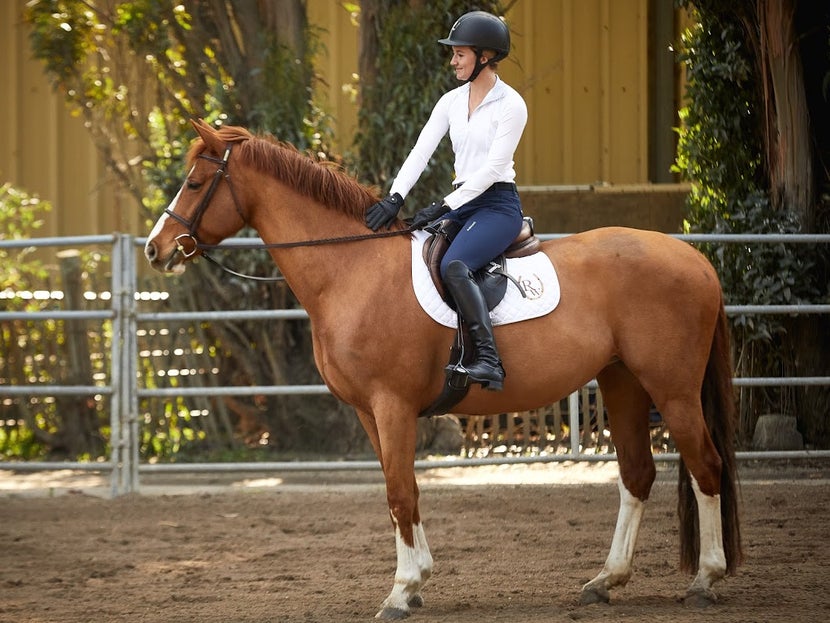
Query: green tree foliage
(136, 71)
(46, 352)
(21, 214)
(723, 150)
(720, 151)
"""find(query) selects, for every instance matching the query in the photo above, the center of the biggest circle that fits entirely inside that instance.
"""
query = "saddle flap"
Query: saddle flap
(436, 246)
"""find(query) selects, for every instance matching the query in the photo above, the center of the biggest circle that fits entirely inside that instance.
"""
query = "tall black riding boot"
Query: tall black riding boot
(469, 301)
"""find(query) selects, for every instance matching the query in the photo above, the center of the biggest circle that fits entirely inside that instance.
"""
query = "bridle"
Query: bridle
(193, 225)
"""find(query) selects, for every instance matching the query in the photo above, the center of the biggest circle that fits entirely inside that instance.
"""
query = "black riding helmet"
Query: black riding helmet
(481, 31)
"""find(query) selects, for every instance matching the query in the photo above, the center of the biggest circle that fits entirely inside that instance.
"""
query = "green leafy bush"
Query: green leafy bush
(41, 351)
(719, 151)
(136, 71)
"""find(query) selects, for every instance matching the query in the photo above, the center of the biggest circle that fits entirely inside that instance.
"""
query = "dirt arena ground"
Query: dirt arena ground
(510, 544)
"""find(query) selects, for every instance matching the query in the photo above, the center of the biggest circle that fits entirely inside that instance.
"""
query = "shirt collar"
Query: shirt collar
(496, 93)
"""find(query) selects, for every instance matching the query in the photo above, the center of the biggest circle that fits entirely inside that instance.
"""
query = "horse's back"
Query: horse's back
(623, 257)
(652, 296)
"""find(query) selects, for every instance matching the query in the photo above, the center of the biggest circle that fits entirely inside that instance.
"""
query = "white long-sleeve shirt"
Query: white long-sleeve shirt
(483, 144)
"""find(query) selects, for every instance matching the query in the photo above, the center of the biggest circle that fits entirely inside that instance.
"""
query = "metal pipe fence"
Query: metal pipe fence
(124, 392)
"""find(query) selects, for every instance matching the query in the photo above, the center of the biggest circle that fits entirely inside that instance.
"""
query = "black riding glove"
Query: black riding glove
(430, 213)
(384, 212)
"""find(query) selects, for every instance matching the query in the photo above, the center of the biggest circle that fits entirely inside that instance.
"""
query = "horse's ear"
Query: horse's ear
(199, 125)
(208, 135)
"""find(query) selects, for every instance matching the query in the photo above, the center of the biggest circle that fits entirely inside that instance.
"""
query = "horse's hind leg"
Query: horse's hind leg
(628, 405)
(684, 418)
(712, 560)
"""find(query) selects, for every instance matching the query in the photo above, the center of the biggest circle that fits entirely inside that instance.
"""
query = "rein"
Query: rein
(193, 224)
(306, 243)
(286, 245)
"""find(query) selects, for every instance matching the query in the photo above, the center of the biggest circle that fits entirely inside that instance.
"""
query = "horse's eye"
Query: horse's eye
(194, 185)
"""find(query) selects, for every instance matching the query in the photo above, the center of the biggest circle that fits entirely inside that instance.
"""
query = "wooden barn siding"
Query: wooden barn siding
(45, 150)
(582, 66)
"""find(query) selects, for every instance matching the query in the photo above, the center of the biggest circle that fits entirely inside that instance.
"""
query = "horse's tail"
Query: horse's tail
(719, 414)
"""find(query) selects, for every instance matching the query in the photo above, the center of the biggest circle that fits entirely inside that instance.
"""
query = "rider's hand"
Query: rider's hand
(430, 213)
(384, 212)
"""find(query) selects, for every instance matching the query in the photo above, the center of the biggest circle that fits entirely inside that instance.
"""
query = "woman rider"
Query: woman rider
(485, 119)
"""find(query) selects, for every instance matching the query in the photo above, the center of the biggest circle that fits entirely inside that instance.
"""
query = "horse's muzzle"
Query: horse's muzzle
(172, 263)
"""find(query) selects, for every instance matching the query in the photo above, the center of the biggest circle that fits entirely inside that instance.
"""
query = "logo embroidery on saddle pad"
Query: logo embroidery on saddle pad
(535, 273)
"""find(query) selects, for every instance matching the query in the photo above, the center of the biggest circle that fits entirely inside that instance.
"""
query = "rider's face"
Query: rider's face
(463, 61)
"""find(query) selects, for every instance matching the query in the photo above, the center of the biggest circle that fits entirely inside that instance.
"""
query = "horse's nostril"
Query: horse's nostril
(150, 251)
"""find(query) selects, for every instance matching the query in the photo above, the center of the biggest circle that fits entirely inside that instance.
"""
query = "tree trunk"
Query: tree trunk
(241, 32)
(790, 145)
(787, 136)
(288, 21)
(368, 43)
(810, 336)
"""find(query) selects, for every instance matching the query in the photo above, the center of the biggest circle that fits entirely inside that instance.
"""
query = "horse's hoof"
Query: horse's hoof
(594, 596)
(700, 598)
(416, 602)
(392, 614)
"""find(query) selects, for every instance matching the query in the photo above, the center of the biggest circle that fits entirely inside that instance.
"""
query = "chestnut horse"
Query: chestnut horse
(640, 311)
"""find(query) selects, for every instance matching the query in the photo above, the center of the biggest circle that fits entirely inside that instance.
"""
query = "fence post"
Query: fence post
(131, 360)
(116, 374)
(124, 418)
(573, 418)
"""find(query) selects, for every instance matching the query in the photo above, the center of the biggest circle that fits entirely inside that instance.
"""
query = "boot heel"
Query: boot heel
(491, 382)
(493, 386)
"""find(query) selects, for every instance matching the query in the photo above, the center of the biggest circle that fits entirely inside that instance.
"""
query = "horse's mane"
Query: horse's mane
(321, 180)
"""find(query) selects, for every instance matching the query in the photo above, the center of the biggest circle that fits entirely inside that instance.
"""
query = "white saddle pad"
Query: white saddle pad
(535, 273)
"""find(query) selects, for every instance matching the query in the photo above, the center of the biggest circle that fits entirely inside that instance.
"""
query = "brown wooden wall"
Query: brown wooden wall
(600, 106)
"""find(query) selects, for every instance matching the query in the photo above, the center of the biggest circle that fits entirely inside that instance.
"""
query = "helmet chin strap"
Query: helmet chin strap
(477, 69)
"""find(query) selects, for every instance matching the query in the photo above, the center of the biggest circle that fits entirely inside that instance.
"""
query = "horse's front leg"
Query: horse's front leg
(413, 570)
(394, 440)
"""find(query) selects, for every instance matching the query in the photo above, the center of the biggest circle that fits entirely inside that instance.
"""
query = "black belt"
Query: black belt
(496, 186)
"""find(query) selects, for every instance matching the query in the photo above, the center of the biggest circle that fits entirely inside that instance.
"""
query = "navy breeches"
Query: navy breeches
(489, 223)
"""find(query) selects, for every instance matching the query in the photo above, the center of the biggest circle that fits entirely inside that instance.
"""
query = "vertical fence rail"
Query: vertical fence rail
(124, 419)
(131, 362)
(118, 442)
(124, 390)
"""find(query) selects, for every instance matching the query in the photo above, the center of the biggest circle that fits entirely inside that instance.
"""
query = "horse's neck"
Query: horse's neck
(333, 270)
